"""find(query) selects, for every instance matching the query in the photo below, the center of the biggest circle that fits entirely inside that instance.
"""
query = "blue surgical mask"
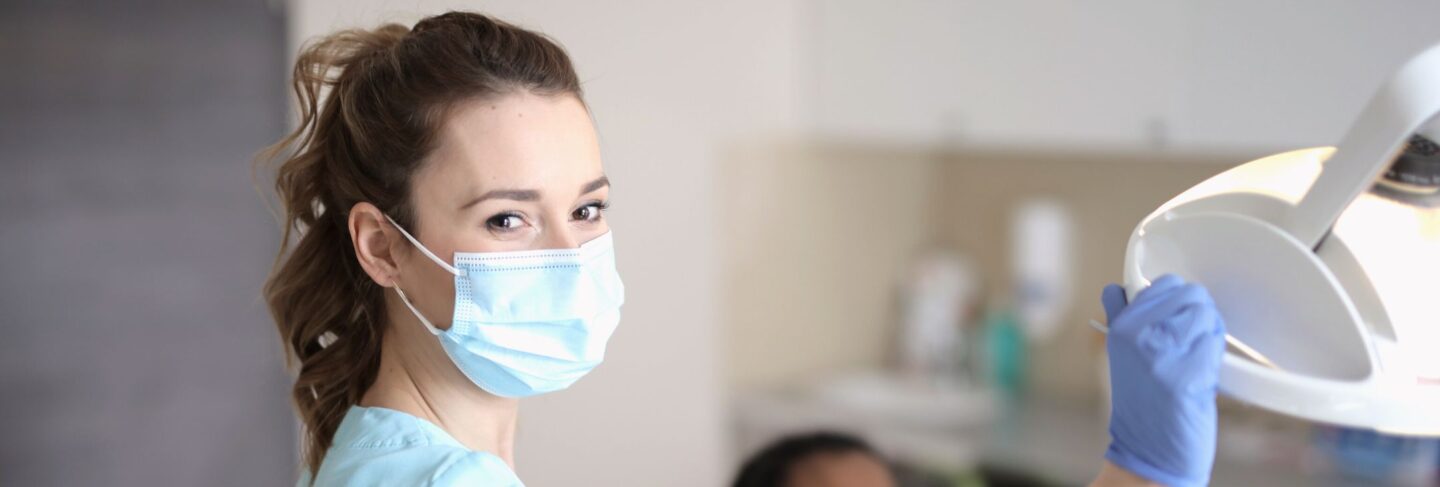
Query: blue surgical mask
(529, 322)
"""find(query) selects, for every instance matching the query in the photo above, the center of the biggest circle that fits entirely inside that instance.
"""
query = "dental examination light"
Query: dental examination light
(1325, 264)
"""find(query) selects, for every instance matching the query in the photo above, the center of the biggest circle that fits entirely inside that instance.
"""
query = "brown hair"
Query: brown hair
(386, 91)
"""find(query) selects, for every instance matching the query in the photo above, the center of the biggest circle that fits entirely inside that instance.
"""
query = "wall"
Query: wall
(1197, 75)
(136, 350)
(816, 239)
(669, 84)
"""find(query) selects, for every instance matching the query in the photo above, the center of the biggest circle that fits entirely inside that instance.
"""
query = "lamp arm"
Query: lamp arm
(1404, 104)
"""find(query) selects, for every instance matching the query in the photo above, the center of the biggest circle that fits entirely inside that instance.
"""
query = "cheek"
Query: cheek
(595, 228)
(434, 289)
(600, 229)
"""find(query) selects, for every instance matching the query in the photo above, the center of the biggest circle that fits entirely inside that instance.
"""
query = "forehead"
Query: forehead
(514, 141)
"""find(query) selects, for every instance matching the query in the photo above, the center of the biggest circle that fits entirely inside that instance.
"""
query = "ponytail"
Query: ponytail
(327, 309)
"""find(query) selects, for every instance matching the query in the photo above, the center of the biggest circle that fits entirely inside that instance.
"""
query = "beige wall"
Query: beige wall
(814, 241)
(818, 236)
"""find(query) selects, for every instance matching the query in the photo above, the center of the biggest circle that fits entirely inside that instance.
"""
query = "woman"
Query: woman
(450, 253)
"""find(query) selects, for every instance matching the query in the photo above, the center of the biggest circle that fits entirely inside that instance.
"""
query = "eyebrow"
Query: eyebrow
(530, 194)
(505, 194)
(601, 182)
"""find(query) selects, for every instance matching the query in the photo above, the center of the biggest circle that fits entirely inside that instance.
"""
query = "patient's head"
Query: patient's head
(822, 459)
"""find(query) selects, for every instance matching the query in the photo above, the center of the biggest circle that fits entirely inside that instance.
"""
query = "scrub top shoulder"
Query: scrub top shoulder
(378, 446)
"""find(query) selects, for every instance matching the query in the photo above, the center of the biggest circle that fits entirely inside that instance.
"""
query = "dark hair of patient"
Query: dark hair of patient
(771, 466)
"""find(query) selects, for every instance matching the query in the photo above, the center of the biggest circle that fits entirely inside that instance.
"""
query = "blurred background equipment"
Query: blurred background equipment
(937, 301)
(1043, 266)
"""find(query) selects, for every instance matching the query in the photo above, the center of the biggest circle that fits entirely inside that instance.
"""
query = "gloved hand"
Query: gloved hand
(1165, 352)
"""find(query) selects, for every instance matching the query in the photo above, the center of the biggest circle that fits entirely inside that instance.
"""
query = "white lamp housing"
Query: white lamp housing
(1334, 281)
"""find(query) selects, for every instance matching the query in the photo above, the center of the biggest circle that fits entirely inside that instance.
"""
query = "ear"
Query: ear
(374, 239)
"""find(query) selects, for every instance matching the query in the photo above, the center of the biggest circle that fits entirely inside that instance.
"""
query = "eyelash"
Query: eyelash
(600, 208)
(495, 223)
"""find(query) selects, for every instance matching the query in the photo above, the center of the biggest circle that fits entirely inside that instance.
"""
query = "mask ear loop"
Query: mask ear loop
(424, 250)
(416, 312)
(406, 299)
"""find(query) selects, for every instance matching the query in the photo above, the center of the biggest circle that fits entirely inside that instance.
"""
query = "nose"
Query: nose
(561, 238)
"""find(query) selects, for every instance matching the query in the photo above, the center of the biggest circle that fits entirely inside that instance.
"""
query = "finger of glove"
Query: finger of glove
(1207, 344)
(1113, 299)
(1162, 285)
(1186, 327)
(1141, 312)
(1193, 316)
(1194, 364)
(1161, 322)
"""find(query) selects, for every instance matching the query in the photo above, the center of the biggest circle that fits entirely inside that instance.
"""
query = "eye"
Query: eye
(591, 212)
(505, 222)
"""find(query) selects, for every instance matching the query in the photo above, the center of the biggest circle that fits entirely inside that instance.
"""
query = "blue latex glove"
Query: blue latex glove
(1165, 352)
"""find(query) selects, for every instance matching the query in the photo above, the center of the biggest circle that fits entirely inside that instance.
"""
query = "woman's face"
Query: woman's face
(518, 172)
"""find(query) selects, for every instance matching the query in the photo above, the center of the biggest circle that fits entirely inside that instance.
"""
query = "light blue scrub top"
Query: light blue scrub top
(378, 446)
